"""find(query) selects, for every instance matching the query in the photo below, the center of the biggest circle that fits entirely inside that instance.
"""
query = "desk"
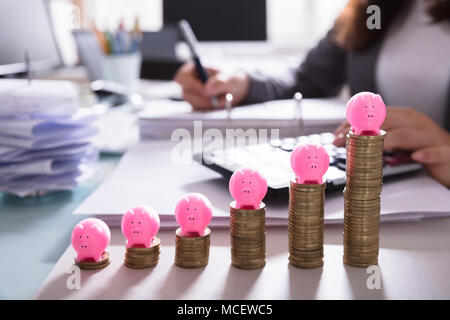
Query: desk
(34, 232)
(414, 262)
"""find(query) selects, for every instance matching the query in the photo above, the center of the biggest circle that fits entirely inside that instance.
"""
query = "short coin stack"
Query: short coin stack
(192, 252)
(362, 199)
(141, 258)
(248, 237)
(306, 216)
(88, 265)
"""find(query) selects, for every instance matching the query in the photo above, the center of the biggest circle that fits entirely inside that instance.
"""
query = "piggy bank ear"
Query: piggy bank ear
(96, 228)
(378, 100)
(206, 203)
(154, 215)
(351, 105)
(79, 228)
(233, 182)
(207, 211)
(263, 187)
(296, 157)
(126, 217)
(354, 104)
(381, 106)
(181, 205)
(293, 158)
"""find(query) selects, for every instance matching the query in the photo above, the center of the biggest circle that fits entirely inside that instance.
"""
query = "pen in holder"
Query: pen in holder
(111, 56)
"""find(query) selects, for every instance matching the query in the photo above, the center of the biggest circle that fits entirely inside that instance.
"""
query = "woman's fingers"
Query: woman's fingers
(198, 101)
(339, 134)
(187, 78)
(343, 128)
(217, 85)
(398, 117)
(407, 139)
(432, 155)
(437, 161)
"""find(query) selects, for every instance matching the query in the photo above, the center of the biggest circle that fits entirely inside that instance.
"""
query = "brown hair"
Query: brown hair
(350, 30)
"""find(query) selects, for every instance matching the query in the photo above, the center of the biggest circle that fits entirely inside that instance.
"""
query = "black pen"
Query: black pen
(191, 41)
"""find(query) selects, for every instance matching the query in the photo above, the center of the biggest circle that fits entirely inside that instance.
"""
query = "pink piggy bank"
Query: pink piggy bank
(309, 163)
(90, 238)
(193, 213)
(140, 225)
(366, 112)
(248, 187)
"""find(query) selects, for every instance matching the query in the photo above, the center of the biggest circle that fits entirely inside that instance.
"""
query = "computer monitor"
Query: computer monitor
(220, 20)
(26, 27)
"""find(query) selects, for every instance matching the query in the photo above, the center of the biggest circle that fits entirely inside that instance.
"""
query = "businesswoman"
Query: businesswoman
(407, 61)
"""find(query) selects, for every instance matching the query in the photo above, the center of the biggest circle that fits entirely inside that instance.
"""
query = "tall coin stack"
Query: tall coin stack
(141, 258)
(248, 237)
(192, 252)
(306, 216)
(362, 199)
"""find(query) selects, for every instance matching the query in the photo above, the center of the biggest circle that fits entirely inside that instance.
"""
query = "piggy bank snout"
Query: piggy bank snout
(136, 231)
(191, 218)
(84, 245)
(313, 166)
(246, 191)
(370, 115)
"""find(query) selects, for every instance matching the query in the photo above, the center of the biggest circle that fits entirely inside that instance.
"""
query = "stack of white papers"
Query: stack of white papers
(45, 140)
(161, 117)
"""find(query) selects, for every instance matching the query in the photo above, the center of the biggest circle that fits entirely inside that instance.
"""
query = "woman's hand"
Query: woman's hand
(218, 85)
(408, 129)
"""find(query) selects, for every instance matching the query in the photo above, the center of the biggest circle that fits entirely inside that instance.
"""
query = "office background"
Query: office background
(292, 26)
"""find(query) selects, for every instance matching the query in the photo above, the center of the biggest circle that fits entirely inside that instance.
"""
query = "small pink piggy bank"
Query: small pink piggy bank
(140, 225)
(309, 163)
(90, 238)
(248, 187)
(366, 113)
(193, 213)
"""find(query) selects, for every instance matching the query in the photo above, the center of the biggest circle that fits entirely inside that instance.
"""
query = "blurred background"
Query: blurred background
(263, 33)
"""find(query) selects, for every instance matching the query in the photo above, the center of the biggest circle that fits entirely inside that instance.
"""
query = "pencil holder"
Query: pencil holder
(192, 251)
(124, 69)
(306, 219)
(248, 237)
(141, 258)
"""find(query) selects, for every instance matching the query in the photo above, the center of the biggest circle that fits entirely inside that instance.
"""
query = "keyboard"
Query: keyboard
(272, 160)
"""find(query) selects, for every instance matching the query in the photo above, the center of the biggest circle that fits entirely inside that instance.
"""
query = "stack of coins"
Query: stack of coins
(362, 199)
(306, 216)
(141, 258)
(87, 265)
(192, 252)
(248, 237)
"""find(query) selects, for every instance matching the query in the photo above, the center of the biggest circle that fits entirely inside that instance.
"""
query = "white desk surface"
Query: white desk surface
(414, 262)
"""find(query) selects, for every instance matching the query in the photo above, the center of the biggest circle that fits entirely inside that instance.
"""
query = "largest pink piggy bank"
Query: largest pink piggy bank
(248, 187)
(90, 238)
(140, 225)
(193, 213)
(309, 163)
(366, 112)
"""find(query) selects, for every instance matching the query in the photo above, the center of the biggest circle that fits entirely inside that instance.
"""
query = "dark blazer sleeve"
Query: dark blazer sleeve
(321, 74)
